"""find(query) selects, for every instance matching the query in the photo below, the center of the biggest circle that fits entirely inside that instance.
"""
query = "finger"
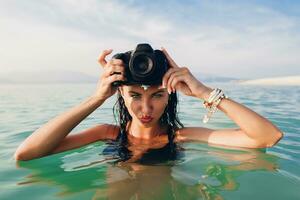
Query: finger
(114, 62)
(167, 75)
(116, 77)
(117, 68)
(174, 82)
(175, 75)
(160, 87)
(114, 69)
(183, 72)
(117, 62)
(170, 60)
(102, 56)
(108, 74)
(111, 69)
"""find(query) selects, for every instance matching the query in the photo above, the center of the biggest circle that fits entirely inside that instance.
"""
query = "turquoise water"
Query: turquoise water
(205, 172)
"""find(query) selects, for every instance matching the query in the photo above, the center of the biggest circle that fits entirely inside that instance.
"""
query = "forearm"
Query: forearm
(251, 123)
(47, 137)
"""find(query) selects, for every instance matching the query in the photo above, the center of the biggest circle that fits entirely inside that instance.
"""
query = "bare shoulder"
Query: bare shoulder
(112, 131)
(93, 134)
(103, 131)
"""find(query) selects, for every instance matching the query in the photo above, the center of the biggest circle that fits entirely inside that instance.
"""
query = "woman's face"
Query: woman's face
(145, 106)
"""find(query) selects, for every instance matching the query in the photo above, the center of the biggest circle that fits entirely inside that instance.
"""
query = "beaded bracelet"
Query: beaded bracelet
(214, 99)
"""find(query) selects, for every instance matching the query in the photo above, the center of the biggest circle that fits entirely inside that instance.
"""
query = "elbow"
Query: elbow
(275, 139)
(23, 155)
(18, 156)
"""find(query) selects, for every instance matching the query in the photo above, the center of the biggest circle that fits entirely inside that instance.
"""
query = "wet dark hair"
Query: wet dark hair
(169, 118)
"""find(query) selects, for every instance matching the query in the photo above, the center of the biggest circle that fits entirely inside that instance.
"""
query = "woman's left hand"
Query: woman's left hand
(181, 79)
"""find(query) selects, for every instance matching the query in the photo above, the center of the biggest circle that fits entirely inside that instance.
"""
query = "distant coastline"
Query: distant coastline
(57, 76)
(64, 76)
(46, 77)
(286, 80)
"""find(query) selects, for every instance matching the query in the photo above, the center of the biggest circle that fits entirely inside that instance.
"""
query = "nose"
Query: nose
(147, 106)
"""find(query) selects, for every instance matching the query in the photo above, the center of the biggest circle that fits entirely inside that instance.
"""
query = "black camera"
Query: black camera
(143, 66)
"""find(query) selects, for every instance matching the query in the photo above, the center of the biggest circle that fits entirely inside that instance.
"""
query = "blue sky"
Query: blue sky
(242, 39)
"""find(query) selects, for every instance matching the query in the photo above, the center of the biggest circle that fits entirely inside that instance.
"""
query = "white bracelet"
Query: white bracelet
(212, 103)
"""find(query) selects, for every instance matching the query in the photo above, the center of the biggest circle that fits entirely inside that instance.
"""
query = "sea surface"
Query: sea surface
(203, 172)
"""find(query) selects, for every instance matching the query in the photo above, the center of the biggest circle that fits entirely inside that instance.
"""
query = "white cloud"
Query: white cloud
(70, 35)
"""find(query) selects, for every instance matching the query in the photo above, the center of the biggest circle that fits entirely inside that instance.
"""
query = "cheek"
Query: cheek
(161, 105)
(132, 107)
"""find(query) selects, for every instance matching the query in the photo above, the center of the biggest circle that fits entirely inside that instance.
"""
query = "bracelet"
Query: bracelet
(214, 99)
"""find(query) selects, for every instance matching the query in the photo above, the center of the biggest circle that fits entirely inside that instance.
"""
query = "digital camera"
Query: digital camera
(143, 66)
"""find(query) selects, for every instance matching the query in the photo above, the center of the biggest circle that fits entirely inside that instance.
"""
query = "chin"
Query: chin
(150, 124)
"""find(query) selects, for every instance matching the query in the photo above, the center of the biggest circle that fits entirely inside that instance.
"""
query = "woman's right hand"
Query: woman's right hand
(104, 87)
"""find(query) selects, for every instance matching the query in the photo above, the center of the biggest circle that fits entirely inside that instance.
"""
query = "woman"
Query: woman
(146, 125)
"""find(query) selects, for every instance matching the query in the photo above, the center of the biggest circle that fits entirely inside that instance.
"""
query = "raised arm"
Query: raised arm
(254, 130)
(51, 137)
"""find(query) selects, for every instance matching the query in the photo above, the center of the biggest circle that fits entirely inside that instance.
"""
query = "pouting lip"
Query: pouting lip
(146, 118)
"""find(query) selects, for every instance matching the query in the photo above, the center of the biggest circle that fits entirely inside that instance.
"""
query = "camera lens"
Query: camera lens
(142, 65)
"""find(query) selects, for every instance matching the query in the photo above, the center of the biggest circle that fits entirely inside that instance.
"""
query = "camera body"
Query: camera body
(143, 66)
